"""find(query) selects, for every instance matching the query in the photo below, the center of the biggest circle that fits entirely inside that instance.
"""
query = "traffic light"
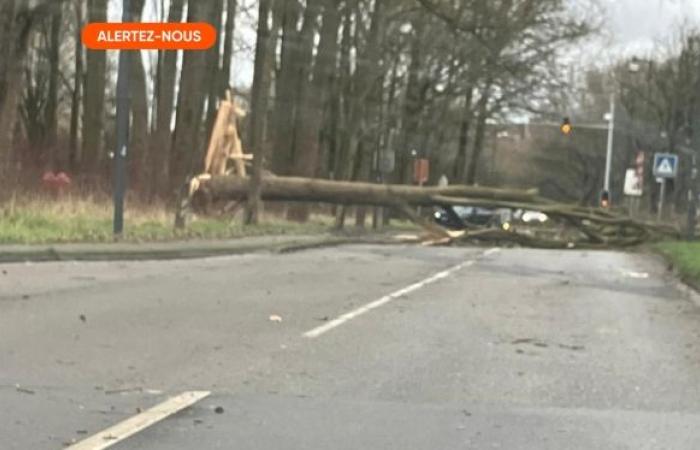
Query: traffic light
(566, 127)
(605, 199)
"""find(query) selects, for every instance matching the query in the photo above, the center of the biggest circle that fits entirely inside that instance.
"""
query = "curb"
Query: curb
(131, 252)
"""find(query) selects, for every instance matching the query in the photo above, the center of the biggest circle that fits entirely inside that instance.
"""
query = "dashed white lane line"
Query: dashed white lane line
(340, 320)
(117, 433)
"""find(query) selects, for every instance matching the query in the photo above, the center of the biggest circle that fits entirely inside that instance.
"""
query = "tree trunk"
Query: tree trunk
(312, 94)
(412, 105)
(213, 82)
(285, 84)
(50, 116)
(139, 109)
(229, 29)
(190, 105)
(94, 98)
(273, 188)
(363, 172)
(16, 40)
(7, 41)
(364, 79)
(261, 87)
(479, 133)
(73, 157)
(460, 166)
(161, 140)
(341, 92)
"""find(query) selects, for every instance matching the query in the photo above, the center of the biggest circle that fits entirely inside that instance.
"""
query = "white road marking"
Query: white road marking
(491, 251)
(139, 422)
(328, 326)
(637, 275)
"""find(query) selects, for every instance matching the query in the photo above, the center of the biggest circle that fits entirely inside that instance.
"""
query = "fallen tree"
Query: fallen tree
(345, 192)
(578, 226)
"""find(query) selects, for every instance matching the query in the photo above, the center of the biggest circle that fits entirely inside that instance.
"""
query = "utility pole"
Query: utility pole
(123, 104)
(692, 200)
(662, 194)
(609, 153)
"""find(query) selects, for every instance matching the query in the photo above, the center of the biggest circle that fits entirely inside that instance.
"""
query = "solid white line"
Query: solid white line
(139, 422)
(328, 326)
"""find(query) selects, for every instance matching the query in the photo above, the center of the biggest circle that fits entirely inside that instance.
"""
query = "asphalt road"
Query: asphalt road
(377, 348)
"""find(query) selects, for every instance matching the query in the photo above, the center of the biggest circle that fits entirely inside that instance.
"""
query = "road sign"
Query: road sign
(665, 165)
(421, 170)
(633, 183)
(387, 161)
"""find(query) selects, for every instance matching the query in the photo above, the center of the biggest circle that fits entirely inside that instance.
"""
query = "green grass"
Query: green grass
(34, 220)
(685, 256)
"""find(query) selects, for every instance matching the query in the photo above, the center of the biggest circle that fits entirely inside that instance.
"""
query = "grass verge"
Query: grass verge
(72, 219)
(41, 221)
(685, 257)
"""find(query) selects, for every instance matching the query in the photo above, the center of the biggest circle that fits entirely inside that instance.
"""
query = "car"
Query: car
(461, 217)
(530, 217)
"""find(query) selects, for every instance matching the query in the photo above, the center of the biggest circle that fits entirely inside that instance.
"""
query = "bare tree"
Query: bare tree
(261, 84)
(94, 98)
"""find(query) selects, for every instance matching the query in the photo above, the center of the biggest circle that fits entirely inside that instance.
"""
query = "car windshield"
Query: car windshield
(349, 224)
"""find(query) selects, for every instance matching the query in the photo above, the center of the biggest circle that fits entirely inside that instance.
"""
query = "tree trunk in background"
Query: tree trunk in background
(15, 41)
(50, 113)
(73, 149)
(229, 30)
(161, 140)
(412, 106)
(7, 45)
(7, 18)
(460, 167)
(259, 98)
(363, 172)
(94, 98)
(284, 112)
(190, 104)
(363, 81)
(139, 109)
(213, 81)
(311, 95)
(482, 108)
(341, 93)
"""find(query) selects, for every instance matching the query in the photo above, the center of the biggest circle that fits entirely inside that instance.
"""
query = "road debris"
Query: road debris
(123, 390)
(24, 390)
(571, 226)
(275, 318)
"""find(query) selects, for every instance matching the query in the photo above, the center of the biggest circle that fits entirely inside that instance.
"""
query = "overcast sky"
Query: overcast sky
(630, 27)
(634, 26)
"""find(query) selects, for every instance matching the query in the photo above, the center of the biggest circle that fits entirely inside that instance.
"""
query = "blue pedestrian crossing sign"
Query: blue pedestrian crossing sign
(665, 165)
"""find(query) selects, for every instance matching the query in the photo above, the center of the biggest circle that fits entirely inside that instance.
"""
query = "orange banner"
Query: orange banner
(149, 36)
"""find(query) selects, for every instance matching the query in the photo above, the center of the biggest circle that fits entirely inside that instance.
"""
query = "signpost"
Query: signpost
(665, 167)
(122, 131)
(633, 183)
(421, 171)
